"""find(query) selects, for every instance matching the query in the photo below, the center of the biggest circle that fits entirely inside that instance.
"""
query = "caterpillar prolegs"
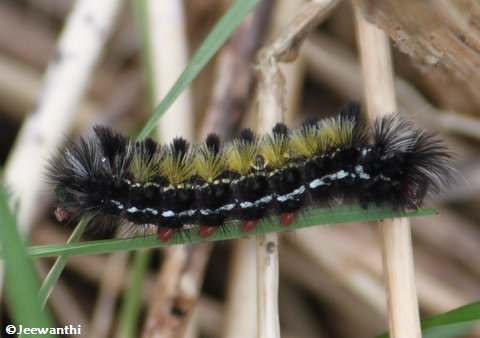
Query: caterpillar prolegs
(342, 159)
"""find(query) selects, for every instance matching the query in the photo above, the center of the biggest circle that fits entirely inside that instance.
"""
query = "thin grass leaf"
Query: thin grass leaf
(232, 231)
(448, 331)
(450, 320)
(215, 39)
(465, 313)
(59, 265)
(21, 279)
(141, 24)
(132, 302)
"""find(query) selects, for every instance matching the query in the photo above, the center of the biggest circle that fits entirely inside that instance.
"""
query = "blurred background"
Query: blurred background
(330, 277)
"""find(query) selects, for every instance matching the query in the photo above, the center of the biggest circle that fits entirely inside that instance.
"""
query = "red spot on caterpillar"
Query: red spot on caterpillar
(206, 230)
(164, 234)
(249, 225)
(287, 218)
(61, 214)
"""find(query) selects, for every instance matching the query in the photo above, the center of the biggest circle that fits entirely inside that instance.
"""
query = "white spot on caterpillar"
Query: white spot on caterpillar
(190, 212)
(133, 210)
(226, 207)
(118, 204)
(168, 213)
(263, 200)
(316, 183)
(291, 195)
(321, 181)
(152, 211)
(365, 151)
(246, 204)
(361, 173)
(151, 184)
(340, 175)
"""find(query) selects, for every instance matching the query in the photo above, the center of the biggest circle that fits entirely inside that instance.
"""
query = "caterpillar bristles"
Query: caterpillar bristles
(275, 148)
(172, 188)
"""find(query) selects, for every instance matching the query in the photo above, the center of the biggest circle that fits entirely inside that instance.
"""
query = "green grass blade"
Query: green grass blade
(59, 265)
(465, 313)
(21, 279)
(141, 23)
(215, 39)
(455, 321)
(448, 331)
(131, 304)
(314, 217)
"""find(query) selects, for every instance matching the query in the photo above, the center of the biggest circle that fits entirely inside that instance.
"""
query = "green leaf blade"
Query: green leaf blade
(231, 231)
(452, 323)
(57, 268)
(21, 279)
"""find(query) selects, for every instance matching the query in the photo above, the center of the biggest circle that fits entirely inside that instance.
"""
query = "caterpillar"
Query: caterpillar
(341, 159)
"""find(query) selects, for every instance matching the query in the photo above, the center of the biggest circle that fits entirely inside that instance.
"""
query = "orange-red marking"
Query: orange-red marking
(287, 218)
(206, 230)
(164, 234)
(249, 225)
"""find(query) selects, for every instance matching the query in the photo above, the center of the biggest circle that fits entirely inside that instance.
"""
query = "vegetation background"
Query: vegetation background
(112, 62)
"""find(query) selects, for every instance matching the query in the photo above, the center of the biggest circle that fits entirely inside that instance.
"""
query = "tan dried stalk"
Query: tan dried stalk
(398, 266)
(171, 307)
(272, 108)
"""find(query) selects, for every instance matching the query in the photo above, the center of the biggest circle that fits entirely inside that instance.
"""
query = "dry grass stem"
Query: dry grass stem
(168, 46)
(79, 49)
(300, 267)
(404, 321)
(167, 315)
(240, 308)
(272, 109)
(164, 317)
(235, 74)
(111, 285)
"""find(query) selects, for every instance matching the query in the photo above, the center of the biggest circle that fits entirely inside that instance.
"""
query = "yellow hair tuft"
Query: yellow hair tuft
(275, 150)
(240, 156)
(208, 164)
(144, 166)
(177, 169)
(306, 141)
(335, 132)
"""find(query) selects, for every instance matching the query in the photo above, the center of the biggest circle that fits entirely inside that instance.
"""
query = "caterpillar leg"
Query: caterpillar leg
(207, 230)
(165, 234)
(249, 225)
(287, 218)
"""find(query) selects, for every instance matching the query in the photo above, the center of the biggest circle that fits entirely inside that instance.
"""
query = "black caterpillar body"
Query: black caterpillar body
(341, 159)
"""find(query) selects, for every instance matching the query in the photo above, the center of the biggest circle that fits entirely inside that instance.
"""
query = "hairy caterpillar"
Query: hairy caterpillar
(322, 163)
